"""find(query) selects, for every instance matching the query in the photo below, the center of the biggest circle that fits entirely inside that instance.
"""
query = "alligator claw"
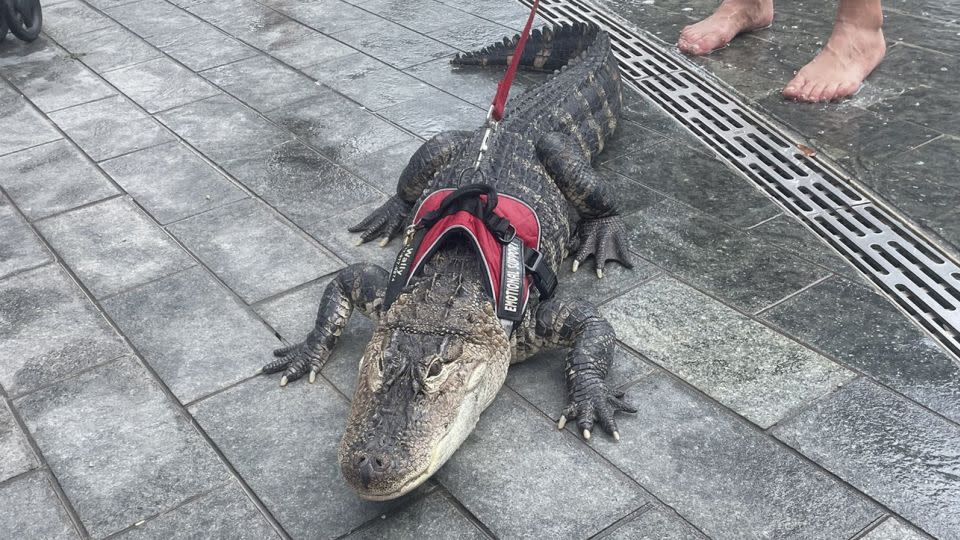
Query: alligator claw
(604, 239)
(298, 360)
(598, 405)
(562, 422)
(384, 222)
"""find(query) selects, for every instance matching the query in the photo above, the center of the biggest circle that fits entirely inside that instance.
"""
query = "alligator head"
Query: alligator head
(437, 358)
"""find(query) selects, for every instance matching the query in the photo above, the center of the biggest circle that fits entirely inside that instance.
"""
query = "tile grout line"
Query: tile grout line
(156, 516)
(793, 295)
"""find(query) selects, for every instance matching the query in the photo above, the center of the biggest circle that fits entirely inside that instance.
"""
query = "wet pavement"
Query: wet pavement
(175, 182)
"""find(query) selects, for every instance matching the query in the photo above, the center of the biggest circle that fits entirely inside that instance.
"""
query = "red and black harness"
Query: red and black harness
(505, 232)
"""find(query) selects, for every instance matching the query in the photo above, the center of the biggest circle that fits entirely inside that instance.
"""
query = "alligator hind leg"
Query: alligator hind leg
(388, 220)
(601, 231)
(578, 325)
(360, 286)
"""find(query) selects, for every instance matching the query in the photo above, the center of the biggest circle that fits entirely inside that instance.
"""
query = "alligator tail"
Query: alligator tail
(548, 49)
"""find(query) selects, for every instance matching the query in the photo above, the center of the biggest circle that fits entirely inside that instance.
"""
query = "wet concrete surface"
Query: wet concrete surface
(174, 200)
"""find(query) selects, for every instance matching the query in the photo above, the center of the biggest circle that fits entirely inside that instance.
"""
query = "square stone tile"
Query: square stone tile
(471, 84)
(931, 107)
(656, 524)
(253, 252)
(892, 450)
(15, 110)
(865, 331)
(204, 48)
(298, 469)
(470, 33)
(151, 19)
(616, 280)
(53, 330)
(366, 80)
(741, 363)
(51, 178)
(918, 182)
(337, 128)
(394, 44)
(71, 18)
(224, 513)
(194, 333)
(435, 112)
(381, 168)
(423, 17)
(701, 182)
(301, 184)
(113, 246)
(707, 254)
(263, 83)
(434, 517)
(629, 138)
(509, 494)
(171, 182)
(786, 233)
(52, 79)
(109, 48)
(19, 246)
(16, 456)
(893, 529)
(722, 475)
(327, 16)
(32, 510)
(110, 127)
(293, 314)
(224, 129)
(118, 446)
(160, 84)
(334, 235)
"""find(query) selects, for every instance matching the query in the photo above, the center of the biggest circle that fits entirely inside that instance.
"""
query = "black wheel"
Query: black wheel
(24, 18)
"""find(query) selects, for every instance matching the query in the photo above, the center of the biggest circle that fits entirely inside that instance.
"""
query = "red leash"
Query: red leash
(503, 87)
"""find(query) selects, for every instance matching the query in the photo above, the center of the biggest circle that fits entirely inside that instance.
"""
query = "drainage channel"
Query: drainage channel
(921, 279)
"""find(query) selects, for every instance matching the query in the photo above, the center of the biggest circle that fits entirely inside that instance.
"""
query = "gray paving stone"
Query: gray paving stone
(468, 33)
(393, 44)
(32, 129)
(171, 182)
(263, 83)
(334, 235)
(204, 48)
(31, 510)
(630, 138)
(692, 178)
(194, 333)
(918, 183)
(145, 458)
(864, 331)
(727, 263)
(253, 252)
(434, 517)
(292, 315)
(786, 233)
(52, 79)
(51, 178)
(223, 129)
(616, 280)
(474, 85)
(109, 48)
(54, 330)
(741, 363)
(745, 485)
(283, 442)
(160, 84)
(16, 456)
(113, 246)
(435, 112)
(65, 19)
(516, 468)
(337, 128)
(110, 127)
(150, 20)
(894, 451)
(19, 246)
(540, 379)
(223, 513)
(423, 17)
(370, 82)
(301, 184)
(327, 16)
(381, 168)
(892, 529)
(655, 524)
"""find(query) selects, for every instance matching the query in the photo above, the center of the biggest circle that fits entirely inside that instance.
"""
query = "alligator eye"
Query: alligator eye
(436, 366)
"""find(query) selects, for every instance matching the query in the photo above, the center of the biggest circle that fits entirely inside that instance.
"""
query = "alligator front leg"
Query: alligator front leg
(601, 231)
(388, 220)
(578, 325)
(360, 286)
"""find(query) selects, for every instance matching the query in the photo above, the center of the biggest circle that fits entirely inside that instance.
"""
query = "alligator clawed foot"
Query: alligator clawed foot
(604, 239)
(384, 222)
(295, 361)
(599, 405)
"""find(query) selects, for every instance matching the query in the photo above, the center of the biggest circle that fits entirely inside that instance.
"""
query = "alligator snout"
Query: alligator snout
(372, 468)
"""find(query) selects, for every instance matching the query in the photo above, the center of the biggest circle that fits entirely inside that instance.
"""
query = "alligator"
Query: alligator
(442, 343)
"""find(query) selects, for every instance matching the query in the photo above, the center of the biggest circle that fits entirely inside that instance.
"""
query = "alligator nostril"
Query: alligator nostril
(381, 463)
(361, 460)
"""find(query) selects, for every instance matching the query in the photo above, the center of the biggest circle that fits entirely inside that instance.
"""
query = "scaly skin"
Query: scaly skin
(439, 355)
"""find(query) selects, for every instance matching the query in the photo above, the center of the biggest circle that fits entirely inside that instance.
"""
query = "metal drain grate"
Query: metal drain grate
(915, 273)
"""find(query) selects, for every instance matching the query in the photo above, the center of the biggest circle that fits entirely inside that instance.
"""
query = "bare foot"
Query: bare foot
(837, 71)
(730, 19)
